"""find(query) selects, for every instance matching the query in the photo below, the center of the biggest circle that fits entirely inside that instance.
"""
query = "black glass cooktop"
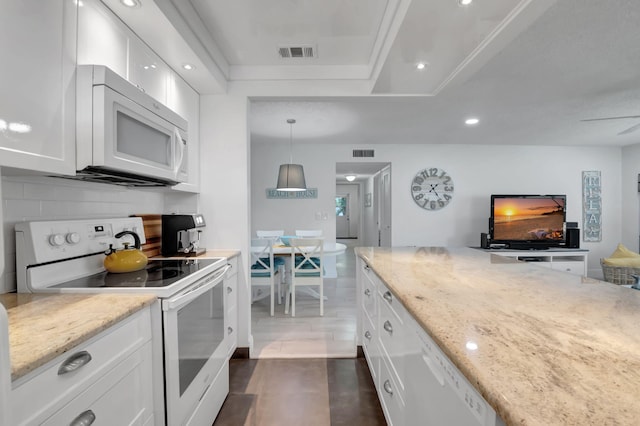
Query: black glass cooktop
(158, 273)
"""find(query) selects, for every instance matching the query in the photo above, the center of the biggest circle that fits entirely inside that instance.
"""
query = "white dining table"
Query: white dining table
(329, 249)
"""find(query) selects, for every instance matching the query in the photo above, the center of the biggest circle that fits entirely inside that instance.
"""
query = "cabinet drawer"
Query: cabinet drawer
(571, 267)
(233, 262)
(46, 389)
(370, 346)
(122, 397)
(369, 296)
(390, 397)
(392, 340)
(232, 331)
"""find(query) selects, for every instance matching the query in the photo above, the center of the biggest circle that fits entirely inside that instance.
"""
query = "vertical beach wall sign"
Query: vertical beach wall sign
(591, 206)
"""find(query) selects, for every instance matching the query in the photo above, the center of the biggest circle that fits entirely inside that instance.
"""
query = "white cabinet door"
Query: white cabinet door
(186, 102)
(147, 71)
(37, 96)
(100, 40)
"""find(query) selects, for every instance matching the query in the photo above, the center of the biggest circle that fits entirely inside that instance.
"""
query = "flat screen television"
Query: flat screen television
(527, 222)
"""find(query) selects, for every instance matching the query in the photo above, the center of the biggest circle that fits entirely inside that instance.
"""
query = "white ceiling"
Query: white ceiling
(530, 70)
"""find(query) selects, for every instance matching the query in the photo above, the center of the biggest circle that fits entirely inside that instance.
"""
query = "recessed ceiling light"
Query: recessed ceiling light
(188, 67)
(464, 2)
(421, 65)
(350, 178)
(471, 121)
(131, 3)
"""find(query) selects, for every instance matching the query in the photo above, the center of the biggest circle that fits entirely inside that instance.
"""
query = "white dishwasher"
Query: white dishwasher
(437, 393)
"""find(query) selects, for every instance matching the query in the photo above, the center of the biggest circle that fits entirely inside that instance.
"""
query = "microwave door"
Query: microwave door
(131, 137)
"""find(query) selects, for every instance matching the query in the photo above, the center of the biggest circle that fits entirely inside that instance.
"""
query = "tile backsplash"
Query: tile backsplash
(28, 198)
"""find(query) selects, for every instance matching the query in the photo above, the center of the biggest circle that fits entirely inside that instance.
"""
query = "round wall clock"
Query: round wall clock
(432, 188)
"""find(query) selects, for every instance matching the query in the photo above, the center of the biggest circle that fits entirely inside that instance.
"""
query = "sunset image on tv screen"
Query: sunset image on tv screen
(528, 218)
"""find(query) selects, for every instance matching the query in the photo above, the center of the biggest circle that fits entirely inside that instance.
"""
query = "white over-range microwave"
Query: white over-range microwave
(123, 135)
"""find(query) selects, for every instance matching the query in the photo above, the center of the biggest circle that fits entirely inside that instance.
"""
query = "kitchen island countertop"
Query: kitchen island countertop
(552, 348)
(43, 326)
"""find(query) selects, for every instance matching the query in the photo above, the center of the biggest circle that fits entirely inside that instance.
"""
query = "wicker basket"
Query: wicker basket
(619, 274)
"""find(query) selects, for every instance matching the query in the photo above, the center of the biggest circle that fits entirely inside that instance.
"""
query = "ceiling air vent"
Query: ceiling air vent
(297, 51)
(359, 153)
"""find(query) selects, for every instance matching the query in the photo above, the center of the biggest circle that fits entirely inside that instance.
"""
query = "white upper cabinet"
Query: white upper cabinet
(147, 71)
(100, 40)
(37, 85)
(186, 102)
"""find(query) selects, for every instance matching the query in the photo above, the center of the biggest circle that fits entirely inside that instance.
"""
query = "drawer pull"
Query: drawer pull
(85, 418)
(388, 297)
(366, 268)
(387, 326)
(367, 292)
(74, 362)
(229, 330)
(229, 290)
(367, 334)
(387, 387)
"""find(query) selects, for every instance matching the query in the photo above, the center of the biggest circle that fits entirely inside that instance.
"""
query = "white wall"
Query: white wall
(477, 172)
(28, 198)
(224, 187)
(630, 205)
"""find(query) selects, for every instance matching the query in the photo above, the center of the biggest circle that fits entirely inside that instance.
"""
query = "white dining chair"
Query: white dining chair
(263, 270)
(280, 262)
(309, 233)
(307, 259)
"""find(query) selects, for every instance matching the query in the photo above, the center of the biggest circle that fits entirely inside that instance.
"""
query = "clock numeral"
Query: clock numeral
(418, 180)
(433, 205)
(416, 188)
(446, 196)
(446, 180)
(441, 203)
(433, 172)
(448, 188)
(418, 197)
(424, 205)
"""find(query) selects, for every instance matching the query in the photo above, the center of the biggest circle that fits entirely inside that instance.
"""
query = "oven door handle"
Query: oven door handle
(195, 292)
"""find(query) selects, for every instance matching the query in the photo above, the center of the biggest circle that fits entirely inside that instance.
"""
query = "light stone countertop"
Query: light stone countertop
(43, 326)
(553, 348)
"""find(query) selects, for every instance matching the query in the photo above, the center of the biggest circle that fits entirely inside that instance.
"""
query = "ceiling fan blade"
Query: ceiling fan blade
(611, 118)
(630, 129)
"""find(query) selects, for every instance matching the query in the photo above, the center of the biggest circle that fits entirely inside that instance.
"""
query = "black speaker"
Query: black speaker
(484, 240)
(573, 238)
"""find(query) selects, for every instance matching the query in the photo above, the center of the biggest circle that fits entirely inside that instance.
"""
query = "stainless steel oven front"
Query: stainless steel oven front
(194, 349)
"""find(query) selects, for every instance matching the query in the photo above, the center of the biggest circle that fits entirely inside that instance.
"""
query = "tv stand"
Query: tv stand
(561, 259)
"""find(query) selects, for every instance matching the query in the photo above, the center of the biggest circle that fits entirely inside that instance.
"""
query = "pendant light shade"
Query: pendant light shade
(291, 176)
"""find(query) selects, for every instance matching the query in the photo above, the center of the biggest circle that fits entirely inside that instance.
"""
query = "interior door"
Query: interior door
(342, 215)
(384, 224)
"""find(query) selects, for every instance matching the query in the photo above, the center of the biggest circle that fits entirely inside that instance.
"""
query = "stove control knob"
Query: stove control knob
(56, 240)
(73, 238)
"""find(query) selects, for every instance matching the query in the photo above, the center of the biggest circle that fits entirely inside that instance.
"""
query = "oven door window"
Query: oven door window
(200, 332)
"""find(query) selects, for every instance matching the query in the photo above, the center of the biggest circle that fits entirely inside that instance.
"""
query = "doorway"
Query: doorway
(347, 211)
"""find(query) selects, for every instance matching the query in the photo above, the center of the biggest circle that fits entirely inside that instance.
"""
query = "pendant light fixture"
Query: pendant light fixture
(291, 176)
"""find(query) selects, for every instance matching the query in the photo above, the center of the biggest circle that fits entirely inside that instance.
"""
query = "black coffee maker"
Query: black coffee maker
(181, 234)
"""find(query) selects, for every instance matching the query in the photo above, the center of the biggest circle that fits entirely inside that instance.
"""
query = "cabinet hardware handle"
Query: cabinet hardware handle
(366, 268)
(367, 292)
(85, 418)
(74, 362)
(387, 295)
(367, 334)
(387, 326)
(387, 387)
(229, 330)
(229, 290)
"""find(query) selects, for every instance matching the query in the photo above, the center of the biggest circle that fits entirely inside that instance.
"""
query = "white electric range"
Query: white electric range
(67, 257)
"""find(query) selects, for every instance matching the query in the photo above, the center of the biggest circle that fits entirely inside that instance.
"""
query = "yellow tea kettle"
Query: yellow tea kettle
(127, 259)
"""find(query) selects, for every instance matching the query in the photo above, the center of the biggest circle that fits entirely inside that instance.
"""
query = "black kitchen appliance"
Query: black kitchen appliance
(181, 234)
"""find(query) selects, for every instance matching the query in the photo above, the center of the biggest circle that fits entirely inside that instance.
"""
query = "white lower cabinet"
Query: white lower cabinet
(107, 380)
(231, 306)
(417, 385)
